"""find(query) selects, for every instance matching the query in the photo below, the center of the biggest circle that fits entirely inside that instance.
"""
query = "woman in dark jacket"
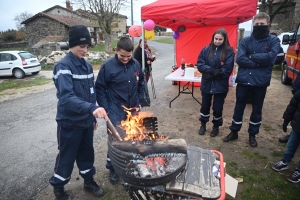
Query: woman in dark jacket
(148, 58)
(215, 62)
(291, 114)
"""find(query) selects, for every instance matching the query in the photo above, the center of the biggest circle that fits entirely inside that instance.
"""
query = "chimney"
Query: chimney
(68, 5)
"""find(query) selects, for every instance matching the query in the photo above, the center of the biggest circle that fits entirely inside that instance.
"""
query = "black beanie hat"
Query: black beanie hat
(79, 35)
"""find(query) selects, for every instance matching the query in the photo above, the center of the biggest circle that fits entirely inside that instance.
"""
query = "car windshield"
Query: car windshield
(26, 55)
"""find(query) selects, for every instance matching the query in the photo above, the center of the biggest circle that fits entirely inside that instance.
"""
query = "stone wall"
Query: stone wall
(297, 14)
(14, 45)
(41, 27)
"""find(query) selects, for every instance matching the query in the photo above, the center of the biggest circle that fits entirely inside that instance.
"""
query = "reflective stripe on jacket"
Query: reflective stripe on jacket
(75, 92)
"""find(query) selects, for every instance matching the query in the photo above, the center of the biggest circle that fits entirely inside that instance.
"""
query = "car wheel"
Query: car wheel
(35, 73)
(284, 78)
(18, 73)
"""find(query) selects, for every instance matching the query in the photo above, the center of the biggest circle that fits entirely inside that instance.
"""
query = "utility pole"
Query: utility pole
(132, 19)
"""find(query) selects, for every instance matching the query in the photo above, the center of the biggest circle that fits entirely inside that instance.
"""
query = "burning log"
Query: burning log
(145, 148)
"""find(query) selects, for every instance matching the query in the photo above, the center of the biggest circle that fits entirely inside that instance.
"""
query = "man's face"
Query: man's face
(80, 50)
(124, 56)
(260, 22)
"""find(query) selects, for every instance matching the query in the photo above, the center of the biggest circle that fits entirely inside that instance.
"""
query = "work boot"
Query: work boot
(284, 139)
(233, 135)
(113, 177)
(202, 129)
(252, 141)
(60, 193)
(91, 186)
(215, 131)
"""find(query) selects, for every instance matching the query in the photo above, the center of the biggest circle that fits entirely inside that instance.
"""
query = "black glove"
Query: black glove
(216, 72)
(207, 76)
(293, 91)
(284, 125)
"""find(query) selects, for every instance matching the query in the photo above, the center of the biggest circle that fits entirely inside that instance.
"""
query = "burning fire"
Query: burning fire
(134, 128)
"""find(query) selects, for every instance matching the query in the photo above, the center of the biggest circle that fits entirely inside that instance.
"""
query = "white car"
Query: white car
(284, 46)
(18, 63)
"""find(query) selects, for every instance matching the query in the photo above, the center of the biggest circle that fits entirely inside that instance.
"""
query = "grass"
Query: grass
(23, 83)
(101, 47)
(261, 182)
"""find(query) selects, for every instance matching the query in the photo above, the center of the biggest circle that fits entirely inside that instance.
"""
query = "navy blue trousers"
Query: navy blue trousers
(257, 95)
(73, 145)
(218, 103)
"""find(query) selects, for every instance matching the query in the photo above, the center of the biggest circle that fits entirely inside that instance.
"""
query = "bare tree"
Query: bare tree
(20, 18)
(268, 7)
(105, 11)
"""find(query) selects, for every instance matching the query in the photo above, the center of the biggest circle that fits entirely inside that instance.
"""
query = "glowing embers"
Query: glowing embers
(156, 165)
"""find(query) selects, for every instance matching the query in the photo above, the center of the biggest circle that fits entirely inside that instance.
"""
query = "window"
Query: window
(5, 57)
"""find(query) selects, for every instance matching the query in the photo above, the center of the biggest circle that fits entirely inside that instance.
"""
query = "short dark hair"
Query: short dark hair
(262, 15)
(125, 43)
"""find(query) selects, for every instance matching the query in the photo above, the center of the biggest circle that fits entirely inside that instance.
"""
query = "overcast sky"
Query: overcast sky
(11, 8)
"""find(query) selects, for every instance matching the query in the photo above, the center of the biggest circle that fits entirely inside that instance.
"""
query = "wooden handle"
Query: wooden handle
(113, 130)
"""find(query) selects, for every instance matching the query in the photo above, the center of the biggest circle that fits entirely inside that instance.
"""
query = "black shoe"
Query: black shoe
(61, 194)
(252, 141)
(113, 177)
(215, 131)
(91, 186)
(284, 139)
(202, 129)
(232, 136)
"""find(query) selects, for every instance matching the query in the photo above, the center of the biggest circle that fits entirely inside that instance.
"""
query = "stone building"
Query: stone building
(49, 28)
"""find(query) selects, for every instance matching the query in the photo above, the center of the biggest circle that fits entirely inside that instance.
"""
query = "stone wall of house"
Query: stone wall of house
(41, 27)
(119, 25)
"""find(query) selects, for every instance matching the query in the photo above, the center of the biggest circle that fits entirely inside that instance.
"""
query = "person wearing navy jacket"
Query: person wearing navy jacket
(120, 82)
(76, 115)
(256, 57)
(215, 62)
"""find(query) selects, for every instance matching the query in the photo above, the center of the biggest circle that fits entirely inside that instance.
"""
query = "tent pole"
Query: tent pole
(175, 64)
(143, 46)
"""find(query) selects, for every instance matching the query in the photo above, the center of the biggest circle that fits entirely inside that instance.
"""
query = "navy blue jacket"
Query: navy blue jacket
(255, 60)
(118, 84)
(205, 64)
(74, 82)
(296, 84)
(292, 112)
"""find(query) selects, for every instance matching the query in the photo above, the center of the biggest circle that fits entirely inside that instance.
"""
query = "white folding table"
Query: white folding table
(177, 75)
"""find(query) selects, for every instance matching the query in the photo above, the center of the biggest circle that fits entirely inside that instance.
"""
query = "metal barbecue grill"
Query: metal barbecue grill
(165, 172)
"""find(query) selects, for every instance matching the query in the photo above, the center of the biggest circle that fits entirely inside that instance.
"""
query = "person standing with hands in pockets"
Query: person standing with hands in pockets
(256, 57)
(76, 116)
(215, 62)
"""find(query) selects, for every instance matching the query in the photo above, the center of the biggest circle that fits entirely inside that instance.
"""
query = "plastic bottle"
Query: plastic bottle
(182, 63)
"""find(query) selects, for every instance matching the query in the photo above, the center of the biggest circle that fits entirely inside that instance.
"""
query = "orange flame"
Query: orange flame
(134, 128)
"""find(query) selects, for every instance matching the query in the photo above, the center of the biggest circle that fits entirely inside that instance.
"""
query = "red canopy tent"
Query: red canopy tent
(201, 18)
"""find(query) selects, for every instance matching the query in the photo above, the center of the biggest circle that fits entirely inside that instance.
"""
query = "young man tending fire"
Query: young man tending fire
(120, 82)
(76, 112)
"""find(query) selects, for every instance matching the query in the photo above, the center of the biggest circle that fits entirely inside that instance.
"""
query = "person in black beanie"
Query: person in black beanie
(76, 115)
(256, 57)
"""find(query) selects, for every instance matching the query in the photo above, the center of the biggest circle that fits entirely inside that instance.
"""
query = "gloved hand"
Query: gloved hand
(284, 125)
(207, 76)
(216, 72)
(293, 91)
